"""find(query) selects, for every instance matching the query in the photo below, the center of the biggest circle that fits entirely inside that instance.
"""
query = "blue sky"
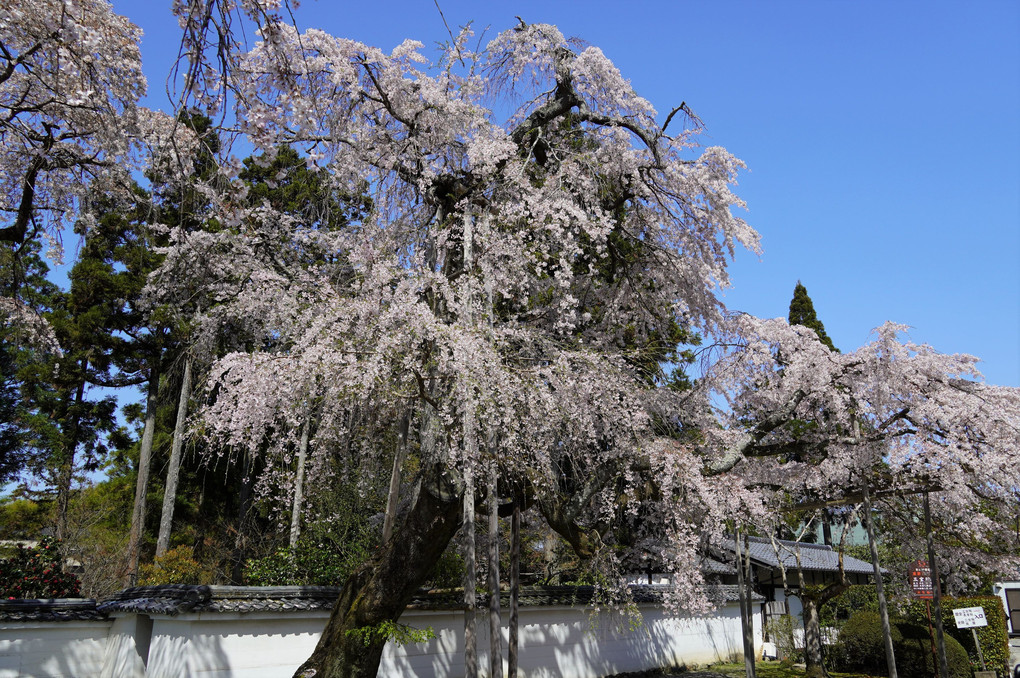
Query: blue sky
(882, 140)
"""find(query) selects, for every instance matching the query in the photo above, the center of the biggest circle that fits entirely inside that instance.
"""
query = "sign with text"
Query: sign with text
(920, 580)
(970, 617)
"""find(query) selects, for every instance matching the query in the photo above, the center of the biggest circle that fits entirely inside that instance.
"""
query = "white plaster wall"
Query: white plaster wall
(255, 645)
(52, 650)
(564, 642)
(126, 647)
(555, 642)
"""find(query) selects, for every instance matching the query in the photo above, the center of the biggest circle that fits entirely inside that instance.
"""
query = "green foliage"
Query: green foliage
(37, 573)
(449, 570)
(176, 566)
(311, 563)
(780, 631)
(22, 278)
(861, 647)
(23, 518)
(994, 638)
(390, 630)
(802, 312)
(290, 186)
(836, 612)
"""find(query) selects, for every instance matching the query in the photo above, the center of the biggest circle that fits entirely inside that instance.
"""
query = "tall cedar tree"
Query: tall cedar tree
(802, 312)
(89, 321)
(23, 277)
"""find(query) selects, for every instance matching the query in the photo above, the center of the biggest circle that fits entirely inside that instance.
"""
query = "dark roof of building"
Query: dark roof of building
(813, 557)
(713, 566)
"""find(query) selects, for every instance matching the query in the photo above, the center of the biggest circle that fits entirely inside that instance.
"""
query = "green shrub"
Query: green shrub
(861, 644)
(37, 573)
(780, 631)
(176, 566)
(861, 648)
(449, 571)
(310, 564)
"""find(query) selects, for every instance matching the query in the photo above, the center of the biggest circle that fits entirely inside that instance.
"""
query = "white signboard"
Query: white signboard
(970, 617)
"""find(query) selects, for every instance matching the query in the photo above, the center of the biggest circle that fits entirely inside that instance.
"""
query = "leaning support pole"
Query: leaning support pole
(495, 624)
(299, 488)
(746, 630)
(470, 578)
(936, 588)
(515, 587)
(883, 607)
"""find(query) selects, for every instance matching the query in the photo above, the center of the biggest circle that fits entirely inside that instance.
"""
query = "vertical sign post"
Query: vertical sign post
(922, 589)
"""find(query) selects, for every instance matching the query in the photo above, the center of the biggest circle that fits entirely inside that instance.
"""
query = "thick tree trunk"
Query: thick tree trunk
(380, 589)
(166, 518)
(398, 464)
(813, 661)
(244, 501)
(66, 472)
(142, 482)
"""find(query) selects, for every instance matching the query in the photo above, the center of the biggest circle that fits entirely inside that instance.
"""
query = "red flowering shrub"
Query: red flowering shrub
(37, 573)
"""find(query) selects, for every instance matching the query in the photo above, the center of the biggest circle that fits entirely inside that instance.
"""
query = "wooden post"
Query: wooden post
(977, 644)
(469, 461)
(515, 587)
(883, 607)
(470, 577)
(495, 625)
(746, 630)
(936, 589)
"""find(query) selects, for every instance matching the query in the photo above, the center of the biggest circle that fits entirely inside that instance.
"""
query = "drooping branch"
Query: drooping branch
(744, 446)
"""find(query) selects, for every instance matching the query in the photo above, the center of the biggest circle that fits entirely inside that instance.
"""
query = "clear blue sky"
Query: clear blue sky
(883, 140)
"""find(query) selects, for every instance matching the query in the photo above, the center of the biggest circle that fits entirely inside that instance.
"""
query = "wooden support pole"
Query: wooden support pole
(495, 625)
(515, 588)
(883, 607)
(746, 630)
(936, 588)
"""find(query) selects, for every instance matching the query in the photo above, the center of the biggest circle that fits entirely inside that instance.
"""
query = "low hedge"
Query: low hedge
(861, 648)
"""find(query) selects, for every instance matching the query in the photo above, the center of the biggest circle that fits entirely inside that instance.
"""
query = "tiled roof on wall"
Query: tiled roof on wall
(171, 600)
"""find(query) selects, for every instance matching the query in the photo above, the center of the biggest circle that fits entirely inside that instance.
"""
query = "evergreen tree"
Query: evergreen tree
(802, 312)
(22, 280)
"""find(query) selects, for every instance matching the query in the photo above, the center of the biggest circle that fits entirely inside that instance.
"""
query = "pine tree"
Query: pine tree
(802, 312)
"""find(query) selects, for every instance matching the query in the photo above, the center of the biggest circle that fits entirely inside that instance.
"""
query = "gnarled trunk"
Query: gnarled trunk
(379, 590)
(812, 602)
(812, 598)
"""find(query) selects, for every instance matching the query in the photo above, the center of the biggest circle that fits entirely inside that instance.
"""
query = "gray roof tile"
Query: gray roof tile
(817, 557)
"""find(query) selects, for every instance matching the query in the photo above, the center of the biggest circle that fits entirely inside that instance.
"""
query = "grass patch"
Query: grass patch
(772, 670)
